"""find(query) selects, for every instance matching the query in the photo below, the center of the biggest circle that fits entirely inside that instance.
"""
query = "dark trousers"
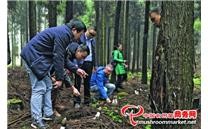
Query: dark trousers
(120, 79)
(87, 67)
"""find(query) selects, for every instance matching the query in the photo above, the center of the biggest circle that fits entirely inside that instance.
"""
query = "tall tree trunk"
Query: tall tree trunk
(138, 44)
(97, 10)
(27, 22)
(13, 46)
(126, 30)
(171, 85)
(69, 11)
(39, 18)
(102, 54)
(52, 13)
(32, 18)
(134, 53)
(154, 43)
(144, 59)
(8, 50)
(129, 47)
(117, 19)
(108, 45)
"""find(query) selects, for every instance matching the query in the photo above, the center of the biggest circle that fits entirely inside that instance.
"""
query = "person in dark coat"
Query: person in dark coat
(46, 50)
(72, 52)
(88, 65)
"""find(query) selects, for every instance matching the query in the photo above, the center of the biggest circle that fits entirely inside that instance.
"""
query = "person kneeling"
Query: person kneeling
(99, 83)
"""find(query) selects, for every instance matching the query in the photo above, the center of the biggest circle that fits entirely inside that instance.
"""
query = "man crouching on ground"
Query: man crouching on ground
(99, 83)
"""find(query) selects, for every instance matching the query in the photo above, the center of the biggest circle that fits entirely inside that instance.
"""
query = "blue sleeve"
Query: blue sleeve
(71, 66)
(59, 52)
(100, 84)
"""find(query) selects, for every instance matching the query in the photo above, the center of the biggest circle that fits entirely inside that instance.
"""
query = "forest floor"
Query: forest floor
(19, 91)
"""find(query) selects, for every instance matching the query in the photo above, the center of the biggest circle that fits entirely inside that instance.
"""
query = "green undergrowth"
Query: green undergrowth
(13, 101)
(196, 79)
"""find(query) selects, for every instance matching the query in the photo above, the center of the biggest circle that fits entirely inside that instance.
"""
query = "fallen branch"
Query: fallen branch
(20, 117)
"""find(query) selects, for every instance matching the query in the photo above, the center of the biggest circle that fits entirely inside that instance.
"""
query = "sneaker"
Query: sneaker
(49, 118)
(38, 124)
(77, 106)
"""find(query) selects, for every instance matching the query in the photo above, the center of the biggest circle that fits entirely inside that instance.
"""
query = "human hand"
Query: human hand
(53, 79)
(108, 100)
(57, 84)
(81, 73)
(75, 91)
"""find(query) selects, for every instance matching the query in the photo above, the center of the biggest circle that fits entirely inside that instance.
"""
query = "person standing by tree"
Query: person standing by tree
(88, 65)
(44, 51)
(155, 16)
(120, 66)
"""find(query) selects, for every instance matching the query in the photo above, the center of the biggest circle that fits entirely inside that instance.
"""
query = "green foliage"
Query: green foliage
(197, 25)
(122, 94)
(197, 81)
(148, 127)
(139, 75)
(115, 116)
(61, 7)
(13, 101)
(141, 2)
(89, 13)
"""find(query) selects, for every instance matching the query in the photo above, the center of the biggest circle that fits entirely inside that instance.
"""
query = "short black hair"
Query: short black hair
(84, 48)
(116, 46)
(77, 24)
(155, 10)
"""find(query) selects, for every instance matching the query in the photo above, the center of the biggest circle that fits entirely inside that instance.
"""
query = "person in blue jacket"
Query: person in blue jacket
(46, 50)
(99, 83)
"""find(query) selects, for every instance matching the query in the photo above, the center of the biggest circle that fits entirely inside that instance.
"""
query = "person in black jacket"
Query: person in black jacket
(73, 51)
(46, 50)
(88, 65)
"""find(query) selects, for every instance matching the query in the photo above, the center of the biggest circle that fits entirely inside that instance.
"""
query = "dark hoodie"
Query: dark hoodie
(71, 51)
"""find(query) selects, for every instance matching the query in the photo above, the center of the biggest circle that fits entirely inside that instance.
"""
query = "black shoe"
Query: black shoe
(49, 118)
(38, 124)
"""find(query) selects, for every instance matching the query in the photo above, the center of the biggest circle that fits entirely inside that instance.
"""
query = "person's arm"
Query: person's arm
(100, 84)
(71, 66)
(58, 58)
(115, 57)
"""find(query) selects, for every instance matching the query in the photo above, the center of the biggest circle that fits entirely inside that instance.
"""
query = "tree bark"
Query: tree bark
(69, 11)
(171, 85)
(134, 53)
(144, 59)
(126, 30)
(52, 13)
(117, 19)
(32, 18)
(8, 51)
(97, 10)
(138, 50)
